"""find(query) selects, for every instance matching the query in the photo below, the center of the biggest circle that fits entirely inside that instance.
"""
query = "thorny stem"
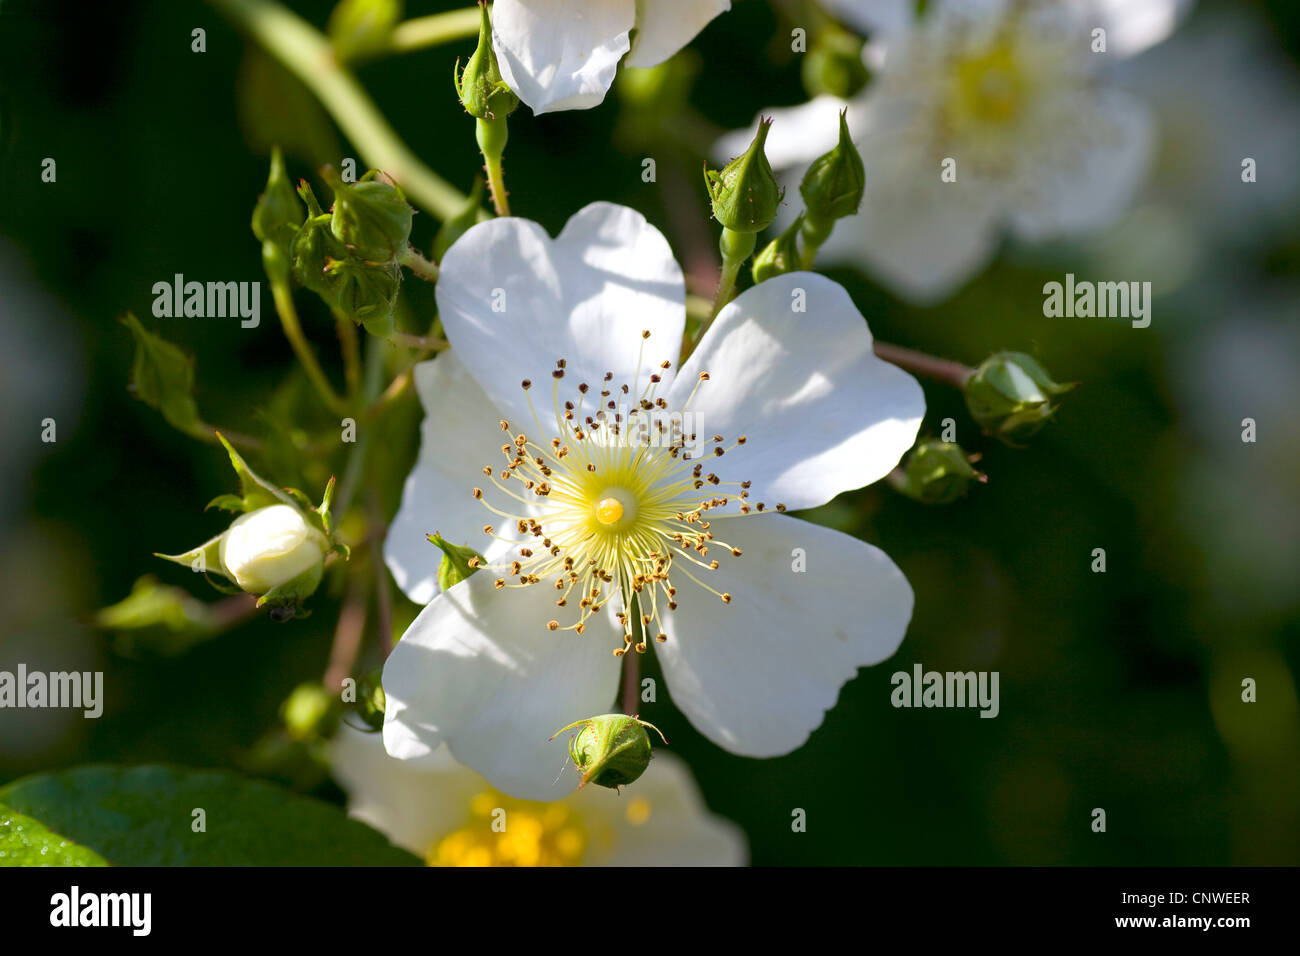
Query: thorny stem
(308, 55)
(419, 266)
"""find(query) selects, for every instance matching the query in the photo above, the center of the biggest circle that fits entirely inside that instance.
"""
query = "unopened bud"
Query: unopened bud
(611, 750)
(482, 91)
(745, 194)
(1010, 395)
(833, 186)
(935, 473)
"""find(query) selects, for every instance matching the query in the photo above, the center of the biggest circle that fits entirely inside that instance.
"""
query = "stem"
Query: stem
(306, 53)
(347, 635)
(813, 233)
(427, 343)
(293, 332)
(631, 681)
(736, 247)
(351, 348)
(419, 266)
(383, 597)
(492, 135)
(357, 460)
(434, 30)
(941, 370)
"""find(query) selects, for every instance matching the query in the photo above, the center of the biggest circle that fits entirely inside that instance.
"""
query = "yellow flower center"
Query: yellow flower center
(609, 510)
(989, 87)
(506, 832)
(610, 506)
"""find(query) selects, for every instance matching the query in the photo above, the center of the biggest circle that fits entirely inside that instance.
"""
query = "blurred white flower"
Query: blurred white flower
(642, 482)
(1005, 95)
(446, 813)
(269, 547)
(562, 54)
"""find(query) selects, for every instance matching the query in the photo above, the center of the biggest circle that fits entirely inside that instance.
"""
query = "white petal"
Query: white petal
(1136, 25)
(1098, 183)
(799, 134)
(584, 297)
(820, 412)
(458, 437)
(921, 249)
(412, 802)
(679, 830)
(560, 54)
(879, 19)
(757, 675)
(665, 26)
(479, 670)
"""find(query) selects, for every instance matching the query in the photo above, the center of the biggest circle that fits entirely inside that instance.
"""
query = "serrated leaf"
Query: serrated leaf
(162, 376)
(143, 816)
(26, 842)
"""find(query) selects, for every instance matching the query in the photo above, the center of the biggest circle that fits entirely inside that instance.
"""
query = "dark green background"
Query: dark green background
(1118, 691)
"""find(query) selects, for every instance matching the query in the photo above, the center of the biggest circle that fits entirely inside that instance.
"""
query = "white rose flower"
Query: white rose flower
(563, 358)
(444, 813)
(1006, 97)
(562, 54)
(270, 546)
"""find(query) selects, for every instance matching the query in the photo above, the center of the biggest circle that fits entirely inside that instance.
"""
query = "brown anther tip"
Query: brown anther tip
(526, 384)
(726, 599)
(478, 492)
(561, 363)
(499, 583)
(640, 648)
(620, 651)
(645, 334)
(780, 507)
(661, 638)
(704, 376)
(474, 562)
(736, 552)
(552, 625)
(558, 373)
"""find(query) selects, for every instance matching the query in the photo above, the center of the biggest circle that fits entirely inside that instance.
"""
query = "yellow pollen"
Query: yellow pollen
(609, 511)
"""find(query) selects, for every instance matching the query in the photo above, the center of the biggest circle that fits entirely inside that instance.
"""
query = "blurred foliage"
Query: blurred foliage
(1119, 690)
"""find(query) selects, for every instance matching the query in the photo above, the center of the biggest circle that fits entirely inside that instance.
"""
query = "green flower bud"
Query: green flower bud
(935, 473)
(833, 186)
(781, 255)
(308, 712)
(1010, 395)
(482, 91)
(371, 217)
(611, 750)
(278, 215)
(745, 194)
(459, 224)
(366, 292)
(834, 65)
(458, 562)
(313, 247)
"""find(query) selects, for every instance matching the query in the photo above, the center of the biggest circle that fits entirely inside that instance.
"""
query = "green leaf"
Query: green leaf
(162, 376)
(257, 491)
(143, 816)
(25, 842)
